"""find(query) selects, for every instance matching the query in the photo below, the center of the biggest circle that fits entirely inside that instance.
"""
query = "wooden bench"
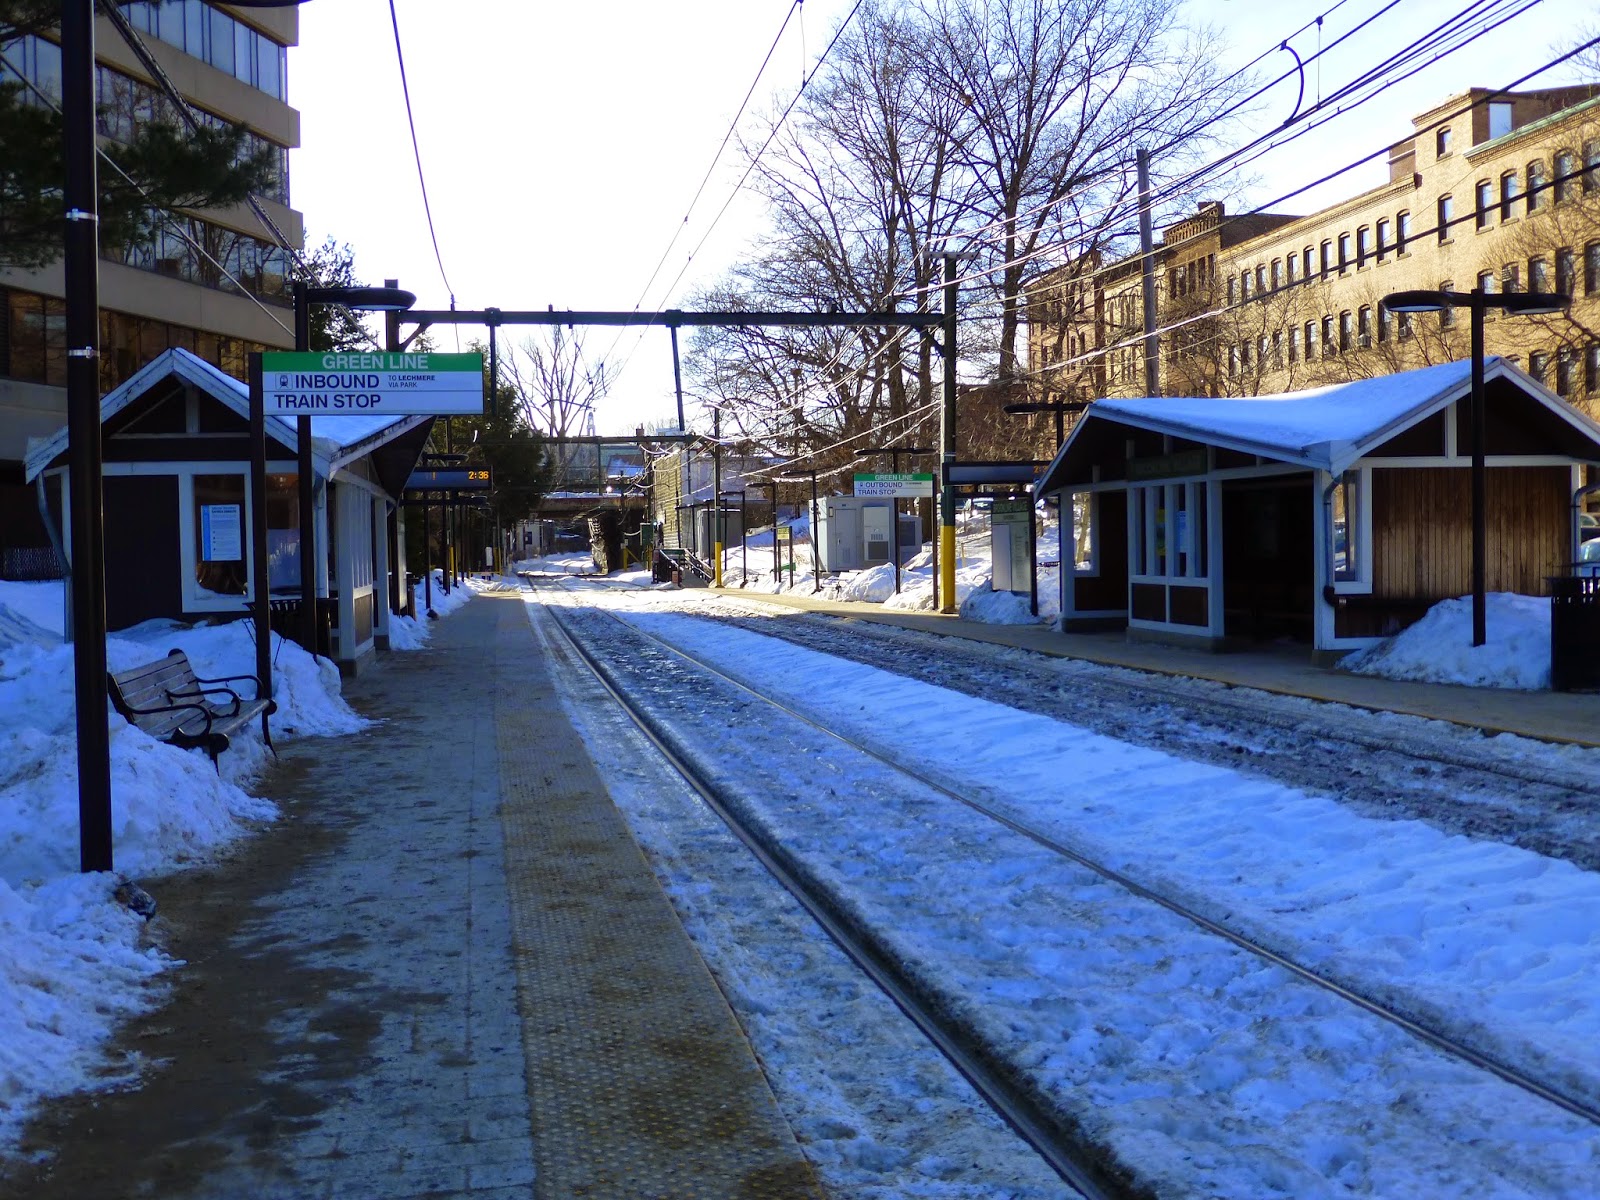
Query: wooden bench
(167, 700)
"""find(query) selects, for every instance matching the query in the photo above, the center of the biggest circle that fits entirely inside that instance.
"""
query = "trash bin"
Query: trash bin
(1574, 632)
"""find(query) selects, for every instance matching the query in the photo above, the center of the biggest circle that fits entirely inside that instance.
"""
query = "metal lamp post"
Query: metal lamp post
(86, 488)
(366, 299)
(1477, 302)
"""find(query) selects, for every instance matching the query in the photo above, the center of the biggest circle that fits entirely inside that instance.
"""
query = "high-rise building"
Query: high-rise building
(215, 282)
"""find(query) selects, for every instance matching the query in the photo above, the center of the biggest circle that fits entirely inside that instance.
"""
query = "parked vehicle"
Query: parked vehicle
(1588, 526)
(1588, 558)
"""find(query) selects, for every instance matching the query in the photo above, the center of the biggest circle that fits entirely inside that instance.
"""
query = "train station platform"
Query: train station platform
(446, 970)
(1567, 717)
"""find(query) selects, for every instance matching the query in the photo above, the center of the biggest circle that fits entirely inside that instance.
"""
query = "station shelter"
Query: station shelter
(1331, 518)
(178, 509)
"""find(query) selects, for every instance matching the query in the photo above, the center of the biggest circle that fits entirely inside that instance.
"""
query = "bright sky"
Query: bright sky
(563, 143)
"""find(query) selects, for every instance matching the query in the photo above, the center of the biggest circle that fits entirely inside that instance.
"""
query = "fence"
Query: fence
(28, 564)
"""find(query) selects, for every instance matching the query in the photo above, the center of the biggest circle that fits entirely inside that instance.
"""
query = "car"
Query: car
(1588, 526)
(1588, 559)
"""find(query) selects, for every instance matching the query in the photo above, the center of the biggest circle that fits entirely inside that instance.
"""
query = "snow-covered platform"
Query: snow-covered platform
(1548, 716)
(445, 970)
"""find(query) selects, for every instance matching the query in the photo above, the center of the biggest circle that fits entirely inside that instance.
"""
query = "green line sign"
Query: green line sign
(375, 383)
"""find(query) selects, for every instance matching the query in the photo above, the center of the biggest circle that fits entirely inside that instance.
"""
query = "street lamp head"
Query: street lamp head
(367, 299)
(1417, 301)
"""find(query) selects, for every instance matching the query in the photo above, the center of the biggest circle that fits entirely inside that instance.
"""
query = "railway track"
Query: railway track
(638, 664)
(1540, 798)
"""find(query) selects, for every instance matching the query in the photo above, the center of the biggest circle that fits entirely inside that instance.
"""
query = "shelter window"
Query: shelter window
(1169, 524)
(219, 527)
(1347, 527)
(1085, 533)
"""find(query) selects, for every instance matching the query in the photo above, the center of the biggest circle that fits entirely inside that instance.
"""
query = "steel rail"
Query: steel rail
(1019, 1110)
(1440, 1041)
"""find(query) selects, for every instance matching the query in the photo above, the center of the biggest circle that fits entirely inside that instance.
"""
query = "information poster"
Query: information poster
(221, 533)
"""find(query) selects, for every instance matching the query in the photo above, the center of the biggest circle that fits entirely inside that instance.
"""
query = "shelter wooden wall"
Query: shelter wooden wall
(1422, 530)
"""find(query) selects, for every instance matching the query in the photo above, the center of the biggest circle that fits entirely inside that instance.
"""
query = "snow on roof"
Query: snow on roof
(1328, 427)
(332, 437)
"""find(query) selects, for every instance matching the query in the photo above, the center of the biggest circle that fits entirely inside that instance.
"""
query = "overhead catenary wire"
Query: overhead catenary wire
(416, 151)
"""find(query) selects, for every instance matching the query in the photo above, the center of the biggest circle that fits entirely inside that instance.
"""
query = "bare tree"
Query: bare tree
(1057, 96)
(555, 386)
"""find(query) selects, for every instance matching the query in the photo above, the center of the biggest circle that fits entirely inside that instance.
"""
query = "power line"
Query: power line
(416, 151)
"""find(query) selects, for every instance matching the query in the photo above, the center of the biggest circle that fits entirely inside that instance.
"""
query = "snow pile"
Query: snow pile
(1439, 649)
(411, 633)
(71, 963)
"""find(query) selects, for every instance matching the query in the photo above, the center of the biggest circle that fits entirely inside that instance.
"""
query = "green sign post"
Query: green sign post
(388, 384)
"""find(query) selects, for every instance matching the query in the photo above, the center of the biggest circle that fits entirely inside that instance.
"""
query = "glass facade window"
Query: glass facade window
(216, 38)
(1508, 194)
(1364, 327)
(1441, 142)
(1329, 346)
(1566, 270)
(1383, 237)
(1446, 214)
(1447, 314)
(1347, 332)
(1591, 368)
(1344, 253)
(1363, 245)
(1402, 231)
(1538, 274)
(1539, 366)
(1538, 189)
(1511, 278)
(1485, 210)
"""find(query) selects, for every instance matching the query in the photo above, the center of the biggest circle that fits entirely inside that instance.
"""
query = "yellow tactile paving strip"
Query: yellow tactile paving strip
(641, 1081)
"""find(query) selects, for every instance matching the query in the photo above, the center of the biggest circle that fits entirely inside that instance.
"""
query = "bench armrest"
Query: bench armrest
(166, 708)
(210, 691)
(232, 679)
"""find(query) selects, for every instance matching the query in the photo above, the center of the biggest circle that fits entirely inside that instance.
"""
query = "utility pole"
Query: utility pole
(86, 484)
(1147, 268)
(716, 496)
(947, 446)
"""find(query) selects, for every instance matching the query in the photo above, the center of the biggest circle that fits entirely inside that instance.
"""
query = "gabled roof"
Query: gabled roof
(1326, 428)
(335, 441)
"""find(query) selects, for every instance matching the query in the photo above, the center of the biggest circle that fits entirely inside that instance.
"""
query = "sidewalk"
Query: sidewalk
(446, 970)
(1547, 716)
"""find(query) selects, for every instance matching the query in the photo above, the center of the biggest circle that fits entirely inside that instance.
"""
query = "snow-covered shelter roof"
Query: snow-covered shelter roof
(1325, 428)
(335, 441)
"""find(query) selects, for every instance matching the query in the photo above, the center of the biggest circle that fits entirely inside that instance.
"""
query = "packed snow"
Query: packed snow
(74, 964)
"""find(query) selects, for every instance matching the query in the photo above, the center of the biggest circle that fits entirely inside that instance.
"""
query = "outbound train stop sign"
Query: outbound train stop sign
(375, 383)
